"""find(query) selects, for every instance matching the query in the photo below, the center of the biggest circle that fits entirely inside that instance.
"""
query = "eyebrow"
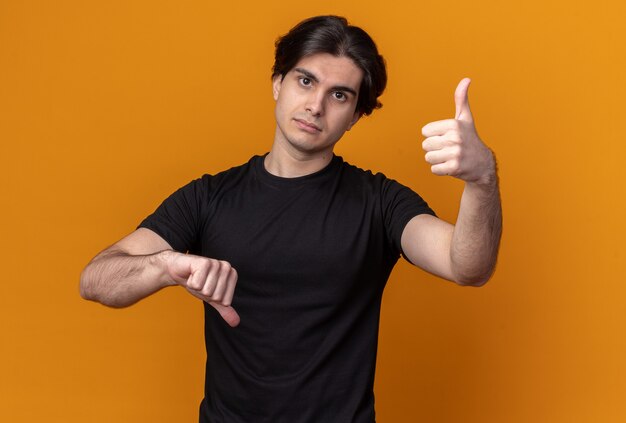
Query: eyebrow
(316, 79)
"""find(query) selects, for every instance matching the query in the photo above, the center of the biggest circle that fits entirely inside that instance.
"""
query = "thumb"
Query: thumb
(461, 101)
(228, 313)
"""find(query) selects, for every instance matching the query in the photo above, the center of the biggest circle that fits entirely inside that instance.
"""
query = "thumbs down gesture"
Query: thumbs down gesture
(453, 147)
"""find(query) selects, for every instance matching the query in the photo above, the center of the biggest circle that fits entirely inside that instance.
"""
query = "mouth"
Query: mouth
(307, 126)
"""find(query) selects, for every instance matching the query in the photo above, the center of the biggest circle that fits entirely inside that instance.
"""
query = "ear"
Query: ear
(355, 118)
(277, 81)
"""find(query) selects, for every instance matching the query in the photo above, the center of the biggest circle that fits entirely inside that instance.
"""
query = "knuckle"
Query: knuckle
(207, 263)
(208, 288)
(455, 137)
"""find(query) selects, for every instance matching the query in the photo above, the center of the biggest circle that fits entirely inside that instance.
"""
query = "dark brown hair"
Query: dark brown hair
(333, 35)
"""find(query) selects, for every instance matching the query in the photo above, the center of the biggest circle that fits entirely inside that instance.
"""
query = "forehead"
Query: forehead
(332, 70)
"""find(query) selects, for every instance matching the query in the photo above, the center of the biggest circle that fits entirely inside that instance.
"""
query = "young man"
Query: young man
(290, 252)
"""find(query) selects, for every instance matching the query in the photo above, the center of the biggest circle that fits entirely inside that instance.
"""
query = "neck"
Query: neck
(288, 162)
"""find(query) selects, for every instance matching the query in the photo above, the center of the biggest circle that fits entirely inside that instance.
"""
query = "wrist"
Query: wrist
(488, 180)
(162, 260)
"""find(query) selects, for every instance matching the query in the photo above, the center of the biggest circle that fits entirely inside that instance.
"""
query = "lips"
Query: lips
(307, 126)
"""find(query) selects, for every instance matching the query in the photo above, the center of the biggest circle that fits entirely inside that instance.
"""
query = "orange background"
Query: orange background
(108, 107)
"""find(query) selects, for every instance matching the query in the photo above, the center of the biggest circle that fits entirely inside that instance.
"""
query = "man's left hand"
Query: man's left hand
(453, 147)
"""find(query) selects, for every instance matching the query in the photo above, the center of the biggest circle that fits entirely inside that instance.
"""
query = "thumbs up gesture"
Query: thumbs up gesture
(453, 147)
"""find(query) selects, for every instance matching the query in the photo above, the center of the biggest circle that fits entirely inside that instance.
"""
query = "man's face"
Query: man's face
(315, 103)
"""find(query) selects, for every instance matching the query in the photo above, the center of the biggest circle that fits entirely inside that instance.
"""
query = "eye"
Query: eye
(338, 95)
(305, 81)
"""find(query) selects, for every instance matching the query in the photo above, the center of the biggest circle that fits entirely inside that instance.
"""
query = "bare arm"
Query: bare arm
(477, 232)
(466, 252)
(128, 271)
(143, 263)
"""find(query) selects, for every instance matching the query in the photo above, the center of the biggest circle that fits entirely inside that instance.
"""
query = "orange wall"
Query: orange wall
(107, 107)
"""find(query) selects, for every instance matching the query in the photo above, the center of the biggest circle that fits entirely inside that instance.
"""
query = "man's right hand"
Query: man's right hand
(210, 280)
(142, 263)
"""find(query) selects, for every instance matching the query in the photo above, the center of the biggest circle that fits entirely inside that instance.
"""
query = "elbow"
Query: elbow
(88, 290)
(475, 273)
(476, 280)
(84, 286)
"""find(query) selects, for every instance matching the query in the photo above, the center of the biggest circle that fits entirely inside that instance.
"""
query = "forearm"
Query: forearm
(476, 236)
(118, 279)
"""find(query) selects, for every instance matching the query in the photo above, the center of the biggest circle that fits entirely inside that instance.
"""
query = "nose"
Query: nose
(315, 103)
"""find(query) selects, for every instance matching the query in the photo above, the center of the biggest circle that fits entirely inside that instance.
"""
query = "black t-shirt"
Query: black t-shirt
(313, 255)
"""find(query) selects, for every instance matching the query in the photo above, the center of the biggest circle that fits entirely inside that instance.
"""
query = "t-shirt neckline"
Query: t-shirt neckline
(320, 175)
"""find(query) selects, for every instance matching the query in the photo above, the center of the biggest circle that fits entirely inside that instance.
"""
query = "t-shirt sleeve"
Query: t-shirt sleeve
(400, 204)
(179, 219)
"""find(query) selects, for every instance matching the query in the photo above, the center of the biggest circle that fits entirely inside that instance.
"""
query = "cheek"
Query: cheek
(284, 104)
(280, 108)
(343, 123)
